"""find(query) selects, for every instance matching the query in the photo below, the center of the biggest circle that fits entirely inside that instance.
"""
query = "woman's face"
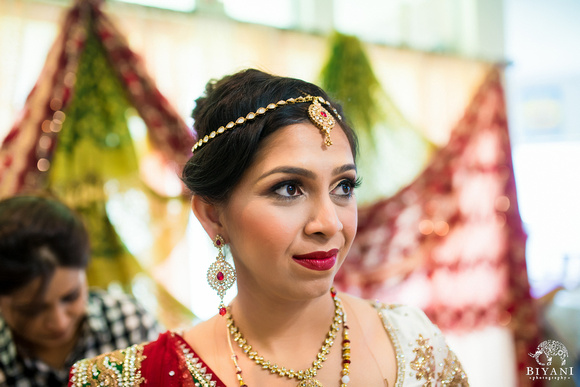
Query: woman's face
(292, 218)
(49, 319)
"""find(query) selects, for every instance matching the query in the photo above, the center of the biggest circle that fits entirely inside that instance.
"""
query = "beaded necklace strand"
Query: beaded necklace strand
(305, 377)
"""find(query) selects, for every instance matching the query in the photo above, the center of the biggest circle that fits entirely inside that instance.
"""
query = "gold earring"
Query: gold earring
(220, 274)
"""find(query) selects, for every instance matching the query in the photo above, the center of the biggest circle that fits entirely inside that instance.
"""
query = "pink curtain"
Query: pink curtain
(27, 150)
(452, 241)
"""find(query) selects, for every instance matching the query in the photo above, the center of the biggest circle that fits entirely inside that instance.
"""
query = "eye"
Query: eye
(71, 297)
(345, 188)
(288, 189)
(30, 312)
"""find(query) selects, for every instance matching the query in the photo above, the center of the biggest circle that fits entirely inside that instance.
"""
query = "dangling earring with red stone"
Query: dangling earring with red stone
(220, 274)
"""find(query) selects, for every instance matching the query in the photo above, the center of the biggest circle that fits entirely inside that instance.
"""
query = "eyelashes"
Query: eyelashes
(293, 188)
(354, 183)
(347, 185)
(29, 312)
(72, 296)
(287, 190)
(35, 310)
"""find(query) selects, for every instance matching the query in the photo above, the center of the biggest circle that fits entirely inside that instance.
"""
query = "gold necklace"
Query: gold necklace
(306, 377)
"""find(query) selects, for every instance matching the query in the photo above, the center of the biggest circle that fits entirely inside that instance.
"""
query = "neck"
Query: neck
(276, 325)
(54, 357)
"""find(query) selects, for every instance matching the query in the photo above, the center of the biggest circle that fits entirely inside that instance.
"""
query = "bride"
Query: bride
(273, 177)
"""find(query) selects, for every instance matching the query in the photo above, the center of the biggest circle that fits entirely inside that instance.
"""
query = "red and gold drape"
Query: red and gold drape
(452, 241)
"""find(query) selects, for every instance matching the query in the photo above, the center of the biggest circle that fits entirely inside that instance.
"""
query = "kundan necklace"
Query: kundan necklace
(305, 377)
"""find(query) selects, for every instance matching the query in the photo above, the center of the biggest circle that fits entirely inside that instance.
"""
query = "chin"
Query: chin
(319, 288)
(63, 339)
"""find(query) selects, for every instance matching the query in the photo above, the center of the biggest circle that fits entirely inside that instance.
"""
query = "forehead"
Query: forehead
(303, 144)
(63, 281)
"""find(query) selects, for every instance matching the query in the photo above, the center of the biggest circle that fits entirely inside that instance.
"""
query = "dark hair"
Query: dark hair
(216, 168)
(37, 235)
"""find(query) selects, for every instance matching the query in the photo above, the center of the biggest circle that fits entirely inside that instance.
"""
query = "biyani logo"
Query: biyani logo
(544, 355)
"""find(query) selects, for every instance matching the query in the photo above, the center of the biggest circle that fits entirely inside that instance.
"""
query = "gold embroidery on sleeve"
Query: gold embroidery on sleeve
(424, 362)
(120, 368)
(452, 374)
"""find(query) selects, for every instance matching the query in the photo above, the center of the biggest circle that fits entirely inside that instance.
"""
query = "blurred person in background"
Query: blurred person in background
(49, 319)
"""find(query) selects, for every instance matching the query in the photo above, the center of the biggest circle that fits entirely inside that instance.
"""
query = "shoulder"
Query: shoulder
(420, 347)
(421, 352)
(116, 367)
(165, 361)
(408, 326)
(109, 368)
(397, 317)
(203, 332)
(405, 319)
(8, 359)
(6, 342)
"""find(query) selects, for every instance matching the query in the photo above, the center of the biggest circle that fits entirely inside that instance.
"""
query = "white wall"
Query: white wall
(543, 85)
(543, 88)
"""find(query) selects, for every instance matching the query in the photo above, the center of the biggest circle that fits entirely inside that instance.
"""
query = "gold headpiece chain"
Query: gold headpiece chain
(316, 112)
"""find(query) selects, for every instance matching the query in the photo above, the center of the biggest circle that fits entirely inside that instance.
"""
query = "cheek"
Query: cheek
(77, 309)
(25, 327)
(266, 227)
(349, 220)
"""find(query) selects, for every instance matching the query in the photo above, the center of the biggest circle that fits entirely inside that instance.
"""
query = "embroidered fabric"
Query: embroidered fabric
(168, 361)
(423, 358)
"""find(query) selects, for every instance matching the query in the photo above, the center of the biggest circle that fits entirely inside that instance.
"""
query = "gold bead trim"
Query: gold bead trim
(316, 112)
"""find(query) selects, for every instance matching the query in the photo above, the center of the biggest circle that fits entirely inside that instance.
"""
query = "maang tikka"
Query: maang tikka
(316, 112)
(220, 274)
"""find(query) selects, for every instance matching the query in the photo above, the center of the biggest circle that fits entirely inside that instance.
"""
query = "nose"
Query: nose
(324, 219)
(58, 319)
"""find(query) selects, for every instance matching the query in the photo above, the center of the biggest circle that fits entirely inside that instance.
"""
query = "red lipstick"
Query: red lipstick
(318, 260)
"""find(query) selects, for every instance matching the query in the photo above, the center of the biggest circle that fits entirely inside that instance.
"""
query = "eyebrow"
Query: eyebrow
(305, 172)
(42, 304)
(344, 168)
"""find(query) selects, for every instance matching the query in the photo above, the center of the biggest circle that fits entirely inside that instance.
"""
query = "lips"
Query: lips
(318, 260)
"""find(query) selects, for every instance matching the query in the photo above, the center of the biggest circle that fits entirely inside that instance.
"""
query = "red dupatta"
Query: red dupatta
(168, 361)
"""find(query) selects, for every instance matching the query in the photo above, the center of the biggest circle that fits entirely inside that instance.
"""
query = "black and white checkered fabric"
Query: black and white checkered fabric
(113, 321)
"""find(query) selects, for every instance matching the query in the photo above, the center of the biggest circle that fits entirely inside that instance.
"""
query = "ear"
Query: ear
(208, 216)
